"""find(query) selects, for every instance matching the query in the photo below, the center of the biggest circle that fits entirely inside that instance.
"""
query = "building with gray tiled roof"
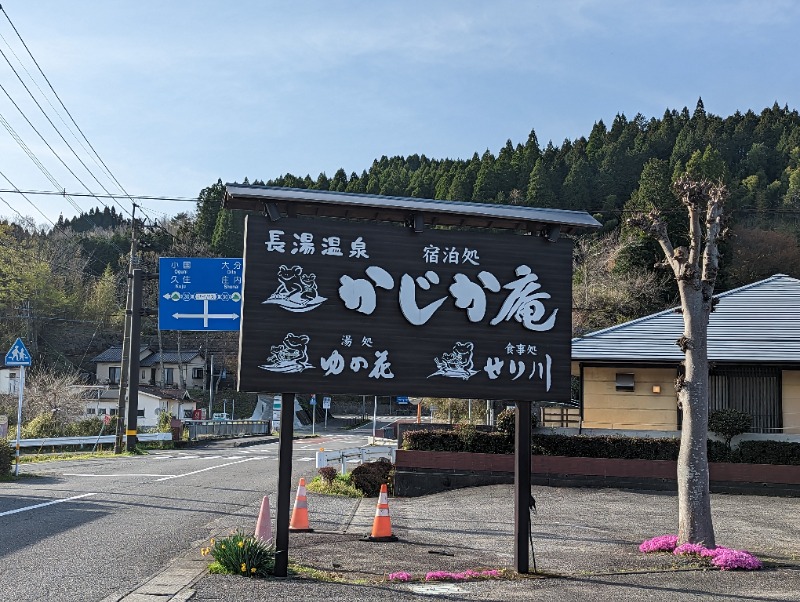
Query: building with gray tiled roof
(628, 371)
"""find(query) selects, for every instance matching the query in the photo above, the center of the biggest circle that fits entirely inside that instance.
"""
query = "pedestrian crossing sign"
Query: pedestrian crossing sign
(18, 355)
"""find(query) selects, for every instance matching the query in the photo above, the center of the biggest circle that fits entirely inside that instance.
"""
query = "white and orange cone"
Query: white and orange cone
(264, 522)
(382, 524)
(299, 522)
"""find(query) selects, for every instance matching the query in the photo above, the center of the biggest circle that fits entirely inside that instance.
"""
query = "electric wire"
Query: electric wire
(63, 106)
(69, 146)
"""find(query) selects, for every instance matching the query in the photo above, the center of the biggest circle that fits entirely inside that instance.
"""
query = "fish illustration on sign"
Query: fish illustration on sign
(456, 363)
(290, 356)
(296, 291)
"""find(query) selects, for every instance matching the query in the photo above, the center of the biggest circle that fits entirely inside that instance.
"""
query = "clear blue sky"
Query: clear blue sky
(176, 94)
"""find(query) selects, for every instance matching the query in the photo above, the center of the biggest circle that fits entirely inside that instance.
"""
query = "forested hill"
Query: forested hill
(76, 271)
(756, 155)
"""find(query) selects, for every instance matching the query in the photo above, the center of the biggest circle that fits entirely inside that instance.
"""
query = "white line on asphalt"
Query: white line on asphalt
(130, 474)
(68, 499)
(178, 476)
(305, 459)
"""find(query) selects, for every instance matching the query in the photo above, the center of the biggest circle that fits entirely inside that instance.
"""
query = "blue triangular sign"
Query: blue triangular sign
(18, 355)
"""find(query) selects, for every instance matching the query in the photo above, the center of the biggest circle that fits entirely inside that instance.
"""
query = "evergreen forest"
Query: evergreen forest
(63, 288)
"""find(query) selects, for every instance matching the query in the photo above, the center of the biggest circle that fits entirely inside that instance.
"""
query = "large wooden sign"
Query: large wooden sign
(365, 308)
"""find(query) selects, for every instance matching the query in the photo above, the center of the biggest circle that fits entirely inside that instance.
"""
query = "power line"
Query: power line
(95, 156)
(101, 196)
(50, 121)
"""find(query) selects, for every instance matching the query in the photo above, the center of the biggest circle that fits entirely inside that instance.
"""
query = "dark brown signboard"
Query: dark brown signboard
(378, 309)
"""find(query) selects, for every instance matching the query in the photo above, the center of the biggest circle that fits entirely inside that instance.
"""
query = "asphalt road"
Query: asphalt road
(87, 530)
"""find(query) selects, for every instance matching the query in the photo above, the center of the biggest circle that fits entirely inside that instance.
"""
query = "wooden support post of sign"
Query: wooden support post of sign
(284, 486)
(522, 485)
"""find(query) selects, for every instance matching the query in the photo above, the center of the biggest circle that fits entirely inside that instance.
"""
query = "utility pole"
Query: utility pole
(126, 341)
(133, 363)
(211, 390)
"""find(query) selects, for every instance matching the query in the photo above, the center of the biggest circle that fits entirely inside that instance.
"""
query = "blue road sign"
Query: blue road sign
(402, 400)
(313, 400)
(18, 355)
(199, 293)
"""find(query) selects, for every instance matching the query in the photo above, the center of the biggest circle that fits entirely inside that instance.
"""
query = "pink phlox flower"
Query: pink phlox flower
(712, 553)
(438, 576)
(399, 576)
(662, 543)
(728, 560)
(688, 549)
(462, 576)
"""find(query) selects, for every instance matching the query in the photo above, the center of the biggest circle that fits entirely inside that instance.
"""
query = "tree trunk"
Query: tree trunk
(694, 496)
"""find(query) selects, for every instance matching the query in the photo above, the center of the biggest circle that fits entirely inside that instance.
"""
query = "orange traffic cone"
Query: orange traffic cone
(264, 523)
(382, 525)
(299, 520)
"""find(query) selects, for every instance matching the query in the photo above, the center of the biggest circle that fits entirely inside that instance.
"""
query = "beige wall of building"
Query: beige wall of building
(651, 405)
(791, 402)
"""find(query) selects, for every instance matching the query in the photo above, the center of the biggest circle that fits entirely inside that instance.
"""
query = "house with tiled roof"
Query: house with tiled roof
(153, 401)
(166, 369)
(627, 372)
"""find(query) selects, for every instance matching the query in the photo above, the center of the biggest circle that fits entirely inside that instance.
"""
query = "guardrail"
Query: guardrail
(93, 440)
(227, 428)
(359, 455)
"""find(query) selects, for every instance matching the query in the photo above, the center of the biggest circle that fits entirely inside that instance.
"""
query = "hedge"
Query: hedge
(467, 439)
(6, 457)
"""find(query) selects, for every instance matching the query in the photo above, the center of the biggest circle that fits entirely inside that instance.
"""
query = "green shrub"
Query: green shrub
(608, 446)
(369, 477)
(90, 427)
(340, 485)
(43, 426)
(6, 458)
(328, 474)
(768, 452)
(728, 423)
(240, 555)
(432, 440)
(507, 419)
(165, 422)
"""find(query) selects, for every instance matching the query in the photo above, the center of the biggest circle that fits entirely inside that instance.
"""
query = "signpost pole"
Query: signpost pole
(313, 416)
(284, 486)
(19, 416)
(374, 417)
(522, 486)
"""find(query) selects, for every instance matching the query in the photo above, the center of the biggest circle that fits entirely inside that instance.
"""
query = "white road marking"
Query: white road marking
(306, 459)
(129, 474)
(178, 476)
(34, 507)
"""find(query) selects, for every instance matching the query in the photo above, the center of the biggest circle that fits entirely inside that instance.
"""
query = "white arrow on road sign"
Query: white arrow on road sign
(205, 315)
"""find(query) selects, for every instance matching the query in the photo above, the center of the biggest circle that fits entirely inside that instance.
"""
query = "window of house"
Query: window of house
(100, 411)
(140, 413)
(90, 410)
(197, 373)
(144, 375)
(113, 411)
(113, 374)
(169, 376)
(624, 381)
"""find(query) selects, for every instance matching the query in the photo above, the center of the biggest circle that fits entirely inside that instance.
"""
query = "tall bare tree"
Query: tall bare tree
(695, 270)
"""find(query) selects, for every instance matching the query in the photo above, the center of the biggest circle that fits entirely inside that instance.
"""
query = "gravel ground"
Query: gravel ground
(586, 545)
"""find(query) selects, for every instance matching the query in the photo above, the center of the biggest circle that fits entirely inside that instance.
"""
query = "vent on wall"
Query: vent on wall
(624, 381)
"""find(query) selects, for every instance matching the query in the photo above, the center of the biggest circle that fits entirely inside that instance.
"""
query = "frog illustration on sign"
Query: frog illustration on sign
(296, 291)
(290, 356)
(457, 363)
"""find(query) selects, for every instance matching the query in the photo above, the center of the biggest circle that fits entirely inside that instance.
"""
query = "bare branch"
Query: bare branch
(653, 224)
